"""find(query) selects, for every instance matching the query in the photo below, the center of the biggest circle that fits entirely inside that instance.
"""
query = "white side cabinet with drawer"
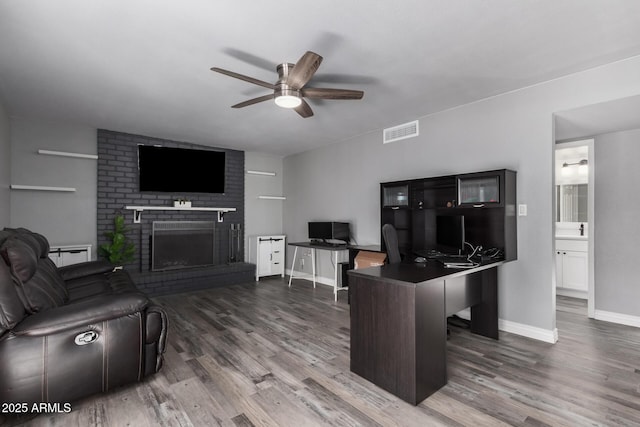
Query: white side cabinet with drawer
(572, 266)
(69, 254)
(267, 253)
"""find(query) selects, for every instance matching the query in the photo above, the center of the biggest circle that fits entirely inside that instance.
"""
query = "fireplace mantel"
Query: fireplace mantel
(137, 210)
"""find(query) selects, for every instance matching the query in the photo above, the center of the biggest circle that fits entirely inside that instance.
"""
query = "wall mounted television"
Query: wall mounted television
(180, 170)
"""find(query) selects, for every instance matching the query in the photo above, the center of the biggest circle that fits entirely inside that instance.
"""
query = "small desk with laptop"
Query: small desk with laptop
(336, 251)
(329, 236)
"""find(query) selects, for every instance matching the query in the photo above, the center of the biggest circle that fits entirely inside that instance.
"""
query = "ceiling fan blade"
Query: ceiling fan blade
(253, 101)
(243, 77)
(350, 79)
(304, 69)
(304, 110)
(252, 59)
(325, 93)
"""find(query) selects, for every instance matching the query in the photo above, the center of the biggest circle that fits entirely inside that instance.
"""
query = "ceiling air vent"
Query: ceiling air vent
(404, 131)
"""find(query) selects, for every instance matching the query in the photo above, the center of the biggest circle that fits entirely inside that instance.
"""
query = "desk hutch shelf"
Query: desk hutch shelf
(487, 200)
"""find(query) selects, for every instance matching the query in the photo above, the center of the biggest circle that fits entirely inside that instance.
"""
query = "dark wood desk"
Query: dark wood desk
(399, 321)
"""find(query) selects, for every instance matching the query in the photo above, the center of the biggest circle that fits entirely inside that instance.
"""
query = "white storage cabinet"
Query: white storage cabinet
(572, 263)
(267, 253)
(69, 254)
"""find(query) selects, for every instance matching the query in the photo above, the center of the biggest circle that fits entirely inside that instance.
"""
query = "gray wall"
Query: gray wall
(514, 130)
(5, 168)
(262, 216)
(65, 218)
(617, 232)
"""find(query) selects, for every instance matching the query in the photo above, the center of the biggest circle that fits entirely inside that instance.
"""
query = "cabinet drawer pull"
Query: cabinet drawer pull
(481, 205)
(395, 207)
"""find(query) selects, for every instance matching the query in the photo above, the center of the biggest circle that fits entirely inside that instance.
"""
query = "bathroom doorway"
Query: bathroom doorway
(574, 219)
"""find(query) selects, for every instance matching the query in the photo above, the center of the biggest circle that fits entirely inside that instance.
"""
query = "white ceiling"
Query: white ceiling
(142, 66)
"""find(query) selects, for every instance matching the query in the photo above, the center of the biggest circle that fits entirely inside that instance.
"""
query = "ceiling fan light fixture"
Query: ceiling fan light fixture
(287, 98)
(288, 101)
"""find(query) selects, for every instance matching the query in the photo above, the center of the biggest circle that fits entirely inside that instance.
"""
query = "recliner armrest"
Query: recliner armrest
(83, 313)
(75, 271)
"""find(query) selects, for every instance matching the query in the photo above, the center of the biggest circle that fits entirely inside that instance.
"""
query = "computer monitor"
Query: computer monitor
(340, 231)
(327, 230)
(450, 233)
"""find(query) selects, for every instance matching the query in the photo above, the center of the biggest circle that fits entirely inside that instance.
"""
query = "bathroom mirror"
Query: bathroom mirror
(571, 203)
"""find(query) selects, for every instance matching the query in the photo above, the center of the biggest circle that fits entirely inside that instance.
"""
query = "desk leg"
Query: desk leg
(293, 264)
(484, 315)
(313, 266)
(335, 276)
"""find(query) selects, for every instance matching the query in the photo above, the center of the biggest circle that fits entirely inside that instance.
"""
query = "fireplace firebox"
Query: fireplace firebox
(182, 244)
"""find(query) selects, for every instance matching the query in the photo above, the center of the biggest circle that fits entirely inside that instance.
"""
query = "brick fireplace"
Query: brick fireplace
(118, 188)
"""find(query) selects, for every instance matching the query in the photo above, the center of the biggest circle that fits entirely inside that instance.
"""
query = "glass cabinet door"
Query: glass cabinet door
(479, 190)
(395, 195)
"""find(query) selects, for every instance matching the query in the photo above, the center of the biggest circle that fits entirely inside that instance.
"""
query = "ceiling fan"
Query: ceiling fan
(289, 90)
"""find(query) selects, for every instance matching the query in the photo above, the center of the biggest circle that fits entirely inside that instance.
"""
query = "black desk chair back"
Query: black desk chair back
(390, 237)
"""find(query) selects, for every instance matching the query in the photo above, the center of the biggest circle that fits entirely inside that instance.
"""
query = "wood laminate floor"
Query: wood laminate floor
(268, 355)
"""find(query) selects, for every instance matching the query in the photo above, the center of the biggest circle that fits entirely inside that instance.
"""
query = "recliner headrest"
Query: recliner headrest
(20, 257)
(38, 242)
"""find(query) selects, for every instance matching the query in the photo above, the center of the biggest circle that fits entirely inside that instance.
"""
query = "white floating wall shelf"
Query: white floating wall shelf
(272, 197)
(251, 172)
(137, 210)
(42, 188)
(67, 154)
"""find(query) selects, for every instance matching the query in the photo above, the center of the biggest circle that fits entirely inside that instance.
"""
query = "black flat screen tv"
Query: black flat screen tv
(180, 170)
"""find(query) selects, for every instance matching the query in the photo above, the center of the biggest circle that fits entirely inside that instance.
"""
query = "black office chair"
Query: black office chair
(390, 237)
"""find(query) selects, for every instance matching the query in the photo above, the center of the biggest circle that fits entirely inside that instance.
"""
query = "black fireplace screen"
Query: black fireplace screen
(182, 244)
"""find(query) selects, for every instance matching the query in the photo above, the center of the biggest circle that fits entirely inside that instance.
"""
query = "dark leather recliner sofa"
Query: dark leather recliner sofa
(69, 332)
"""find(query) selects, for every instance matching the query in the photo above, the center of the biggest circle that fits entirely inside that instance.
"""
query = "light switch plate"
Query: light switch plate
(522, 210)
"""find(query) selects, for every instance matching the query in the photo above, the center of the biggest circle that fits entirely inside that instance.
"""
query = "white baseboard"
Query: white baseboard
(539, 334)
(622, 319)
(572, 293)
(546, 335)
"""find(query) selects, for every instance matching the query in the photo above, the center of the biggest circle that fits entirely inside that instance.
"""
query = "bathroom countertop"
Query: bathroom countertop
(571, 237)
